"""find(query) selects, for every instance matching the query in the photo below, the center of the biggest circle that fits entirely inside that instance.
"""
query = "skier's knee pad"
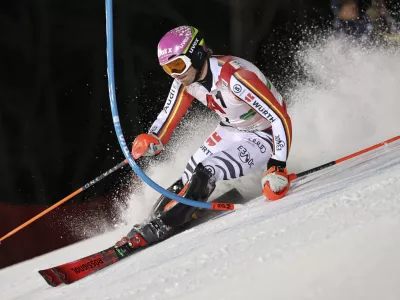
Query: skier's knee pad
(200, 187)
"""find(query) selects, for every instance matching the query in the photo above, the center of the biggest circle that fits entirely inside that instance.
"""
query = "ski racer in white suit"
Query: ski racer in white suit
(254, 131)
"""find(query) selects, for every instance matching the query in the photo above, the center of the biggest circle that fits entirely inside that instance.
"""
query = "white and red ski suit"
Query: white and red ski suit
(254, 123)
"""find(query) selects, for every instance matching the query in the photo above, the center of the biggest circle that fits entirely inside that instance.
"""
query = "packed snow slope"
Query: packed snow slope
(334, 236)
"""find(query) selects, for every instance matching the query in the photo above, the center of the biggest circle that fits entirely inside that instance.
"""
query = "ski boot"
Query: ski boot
(141, 236)
(199, 188)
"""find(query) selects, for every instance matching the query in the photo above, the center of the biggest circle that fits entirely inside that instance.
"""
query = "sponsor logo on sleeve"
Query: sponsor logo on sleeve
(237, 89)
(171, 96)
(263, 111)
(279, 144)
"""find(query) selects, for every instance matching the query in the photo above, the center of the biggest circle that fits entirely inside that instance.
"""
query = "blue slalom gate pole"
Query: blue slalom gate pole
(118, 128)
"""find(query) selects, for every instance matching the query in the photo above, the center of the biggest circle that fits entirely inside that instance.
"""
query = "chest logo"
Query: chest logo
(237, 88)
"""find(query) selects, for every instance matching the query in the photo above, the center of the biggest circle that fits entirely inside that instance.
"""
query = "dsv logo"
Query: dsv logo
(244, 156)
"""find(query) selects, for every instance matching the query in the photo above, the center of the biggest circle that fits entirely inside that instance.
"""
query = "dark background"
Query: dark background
(56, 132)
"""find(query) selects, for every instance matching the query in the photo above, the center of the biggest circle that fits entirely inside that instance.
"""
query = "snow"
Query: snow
(334, 236)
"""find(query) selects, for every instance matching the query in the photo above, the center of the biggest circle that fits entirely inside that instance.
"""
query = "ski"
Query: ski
(81, 268)
(51, 277)
(76, 270)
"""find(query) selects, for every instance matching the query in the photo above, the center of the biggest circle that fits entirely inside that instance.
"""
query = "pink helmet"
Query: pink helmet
(183, 40)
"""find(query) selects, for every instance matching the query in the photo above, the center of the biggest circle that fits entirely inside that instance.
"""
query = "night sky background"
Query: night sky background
(56, 132)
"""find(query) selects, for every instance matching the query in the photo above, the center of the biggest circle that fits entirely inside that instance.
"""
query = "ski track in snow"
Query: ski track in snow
(334, 236)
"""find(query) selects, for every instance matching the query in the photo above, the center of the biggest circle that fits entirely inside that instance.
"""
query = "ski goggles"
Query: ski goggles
(177, 66)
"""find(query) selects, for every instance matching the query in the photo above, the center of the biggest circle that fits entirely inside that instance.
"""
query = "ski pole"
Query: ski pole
(86, 186)
(335, 162)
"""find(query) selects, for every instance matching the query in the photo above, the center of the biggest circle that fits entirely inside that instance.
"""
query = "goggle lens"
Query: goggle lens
(177, 66)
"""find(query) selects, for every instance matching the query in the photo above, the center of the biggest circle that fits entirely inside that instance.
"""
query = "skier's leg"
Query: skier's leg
(220, 139)
(249, 154)
(178, 213)
(245, 152)
(200, 186)
(241, 158)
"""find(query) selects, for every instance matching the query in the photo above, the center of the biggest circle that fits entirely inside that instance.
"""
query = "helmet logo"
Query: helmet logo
(196, 41)
(164, 51)
(183, 44)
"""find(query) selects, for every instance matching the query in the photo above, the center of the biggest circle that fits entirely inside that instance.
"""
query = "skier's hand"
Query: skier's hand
(275, 182)
(146, 145)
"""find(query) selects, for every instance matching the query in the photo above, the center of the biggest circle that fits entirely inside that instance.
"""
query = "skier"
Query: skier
(254, 131)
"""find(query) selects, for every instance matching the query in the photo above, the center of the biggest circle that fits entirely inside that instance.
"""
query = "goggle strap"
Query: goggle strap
(201, 42)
